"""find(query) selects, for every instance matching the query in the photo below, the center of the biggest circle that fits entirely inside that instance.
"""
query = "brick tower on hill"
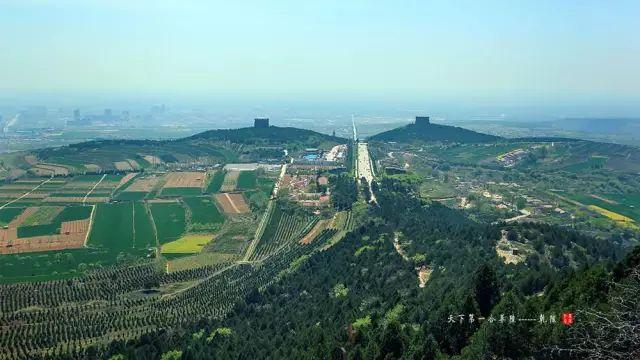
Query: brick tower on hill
(261, 122)
(422, 120)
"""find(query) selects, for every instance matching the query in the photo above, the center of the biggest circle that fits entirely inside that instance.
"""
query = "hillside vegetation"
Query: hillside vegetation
(433, 132)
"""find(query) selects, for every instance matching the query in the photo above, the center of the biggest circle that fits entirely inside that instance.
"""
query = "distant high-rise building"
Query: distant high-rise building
(422, 120)
(76, 115)
(261, 122)
(107, 112)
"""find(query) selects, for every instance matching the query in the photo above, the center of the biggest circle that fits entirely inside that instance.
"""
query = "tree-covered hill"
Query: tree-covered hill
(433, 132)
(267, 135)
(219, 146)
(361, 298)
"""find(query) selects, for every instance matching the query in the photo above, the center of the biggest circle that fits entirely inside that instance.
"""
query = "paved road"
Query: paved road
(364, 167)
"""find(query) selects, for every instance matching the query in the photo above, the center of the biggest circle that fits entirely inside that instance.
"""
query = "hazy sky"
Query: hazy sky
(395, 48)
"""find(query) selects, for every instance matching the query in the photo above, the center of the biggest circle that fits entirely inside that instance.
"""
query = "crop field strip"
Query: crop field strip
(185, 179)
(36, 187)
(47, 228)
(230, 181)
(169, 219)
(203, 215)
(215, 181)
(233, 203)
(246, 180)
(187, 244)
(122, 227)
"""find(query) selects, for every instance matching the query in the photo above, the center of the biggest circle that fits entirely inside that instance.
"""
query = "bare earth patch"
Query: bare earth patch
(92, 167)
(184, 179)
(424, 273)
(49, 170)
(153, 160)
(122, 165)
(608, 201)
(232, 203)
(72, 236)
(508, 251)
(143, 184)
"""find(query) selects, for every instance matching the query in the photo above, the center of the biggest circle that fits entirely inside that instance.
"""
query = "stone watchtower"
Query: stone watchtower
(422, 120)
(261, 122)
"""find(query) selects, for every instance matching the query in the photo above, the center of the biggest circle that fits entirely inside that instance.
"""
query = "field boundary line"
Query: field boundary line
(84, 200)
(27, 193)
(155, 231)
(133, 223)
(86, 238)
(233, 205)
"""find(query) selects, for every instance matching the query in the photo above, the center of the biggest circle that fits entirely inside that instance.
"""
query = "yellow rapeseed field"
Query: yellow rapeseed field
(614, 216)
(188, 244)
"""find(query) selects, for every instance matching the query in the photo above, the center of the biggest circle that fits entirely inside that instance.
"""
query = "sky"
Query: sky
(572, 49)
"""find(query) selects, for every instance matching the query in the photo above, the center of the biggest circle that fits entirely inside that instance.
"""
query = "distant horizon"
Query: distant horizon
(384, 51)
(508, 108)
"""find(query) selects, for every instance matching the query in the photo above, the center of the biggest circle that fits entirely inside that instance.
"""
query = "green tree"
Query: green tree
(486, 289)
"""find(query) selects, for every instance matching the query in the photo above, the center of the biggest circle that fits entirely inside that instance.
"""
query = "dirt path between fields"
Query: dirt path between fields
(27, 193)
(93, 188)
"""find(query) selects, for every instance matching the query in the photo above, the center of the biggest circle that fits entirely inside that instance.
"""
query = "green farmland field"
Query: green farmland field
(624, 204)
(112, 227)
(216, 182)
(71, 213)
(204, 214)
(170, 221)
(38, 230)
(246, 180)
(144, 237)
(131, 195)
(9, 213)
(50, 227)
(181, 191)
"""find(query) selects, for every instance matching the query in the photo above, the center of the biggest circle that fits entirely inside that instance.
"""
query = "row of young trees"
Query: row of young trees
(360, 299)
(77, 318)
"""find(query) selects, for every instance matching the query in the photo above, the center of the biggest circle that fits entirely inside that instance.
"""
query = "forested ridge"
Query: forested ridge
(268, 135)
(433, 132)
(360, 299)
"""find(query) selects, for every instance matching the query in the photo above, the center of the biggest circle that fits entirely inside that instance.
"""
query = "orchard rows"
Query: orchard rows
(125, 302)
